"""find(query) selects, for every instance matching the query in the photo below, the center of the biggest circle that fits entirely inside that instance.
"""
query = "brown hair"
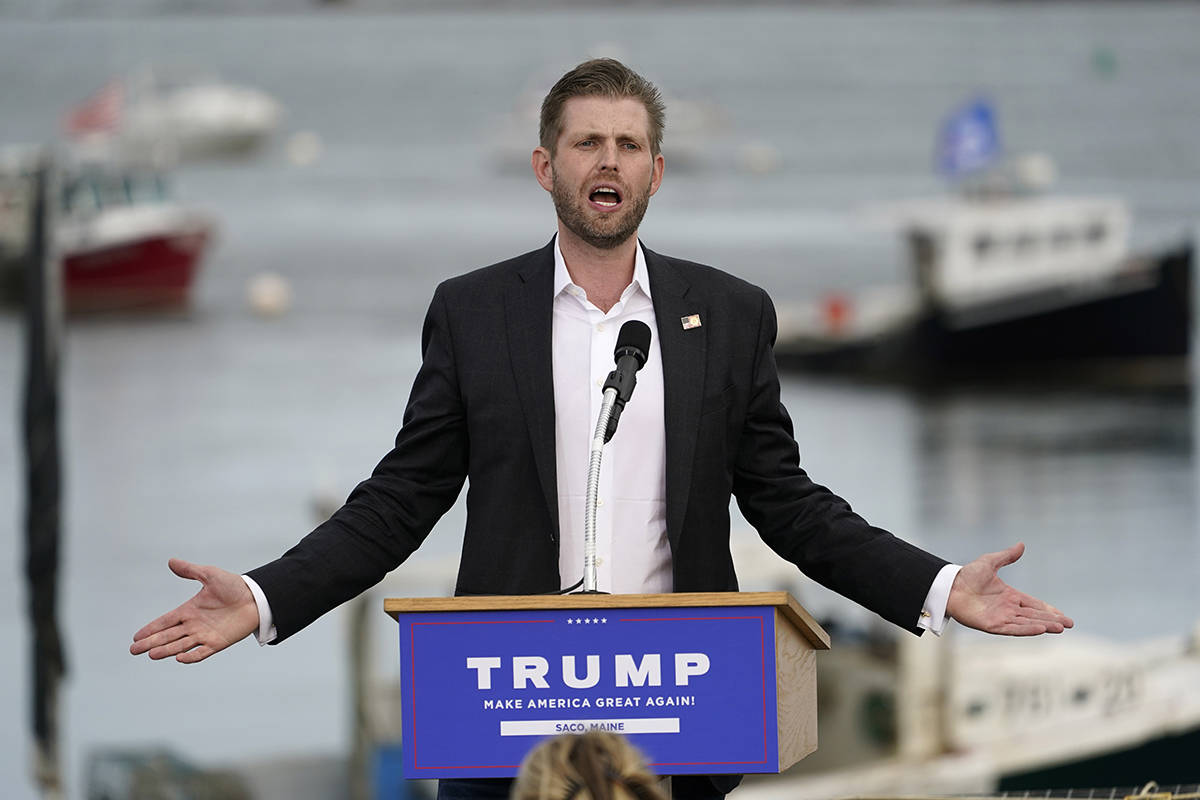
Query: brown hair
(601, 77)
(596, 765)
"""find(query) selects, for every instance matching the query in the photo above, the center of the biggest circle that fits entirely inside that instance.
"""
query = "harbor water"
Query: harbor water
(214, 435)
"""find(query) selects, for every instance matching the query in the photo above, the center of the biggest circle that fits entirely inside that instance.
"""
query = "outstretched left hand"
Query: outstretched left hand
(980, 600)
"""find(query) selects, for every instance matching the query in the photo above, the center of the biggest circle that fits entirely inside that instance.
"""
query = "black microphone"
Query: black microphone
(633, 347)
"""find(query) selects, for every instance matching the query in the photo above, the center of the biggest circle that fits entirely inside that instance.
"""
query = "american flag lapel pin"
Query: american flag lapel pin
(690, 321)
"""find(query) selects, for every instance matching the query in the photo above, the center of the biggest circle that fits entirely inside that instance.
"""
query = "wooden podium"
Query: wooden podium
(703, 683)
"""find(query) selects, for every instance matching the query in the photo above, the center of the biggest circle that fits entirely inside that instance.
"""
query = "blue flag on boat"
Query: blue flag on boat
(968, 140)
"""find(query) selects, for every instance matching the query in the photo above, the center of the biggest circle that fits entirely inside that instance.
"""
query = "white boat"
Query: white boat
(167, 118)
(969, 713)
(1005, 284)
(974, 716)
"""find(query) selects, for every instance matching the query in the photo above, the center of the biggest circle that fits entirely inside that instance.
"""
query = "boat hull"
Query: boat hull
(1167, 760)
(1136, 329)
(154, 272)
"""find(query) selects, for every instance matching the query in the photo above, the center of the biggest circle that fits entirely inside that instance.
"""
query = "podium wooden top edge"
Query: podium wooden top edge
(787, 605)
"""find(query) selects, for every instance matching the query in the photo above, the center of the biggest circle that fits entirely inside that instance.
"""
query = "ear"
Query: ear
(657, 176)
(543, 169)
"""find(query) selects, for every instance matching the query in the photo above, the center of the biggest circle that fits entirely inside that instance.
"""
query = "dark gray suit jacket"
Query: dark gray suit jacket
(482, 408)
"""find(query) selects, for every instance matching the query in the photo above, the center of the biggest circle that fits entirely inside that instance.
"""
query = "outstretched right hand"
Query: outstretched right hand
(221, 613)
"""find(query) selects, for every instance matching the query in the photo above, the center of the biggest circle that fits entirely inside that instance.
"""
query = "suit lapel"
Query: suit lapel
(529, 308)
(684, 360)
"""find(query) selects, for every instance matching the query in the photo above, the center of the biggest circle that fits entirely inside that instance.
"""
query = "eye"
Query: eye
(631, 146)
(587, 143)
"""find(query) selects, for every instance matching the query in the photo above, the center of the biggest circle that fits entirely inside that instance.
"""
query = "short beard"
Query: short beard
(578, 223)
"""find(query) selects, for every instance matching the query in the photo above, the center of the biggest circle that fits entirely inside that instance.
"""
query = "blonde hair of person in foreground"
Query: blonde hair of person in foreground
(596, 765)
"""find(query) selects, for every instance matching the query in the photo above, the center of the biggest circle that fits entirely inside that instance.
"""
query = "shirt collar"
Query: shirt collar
(641, 276)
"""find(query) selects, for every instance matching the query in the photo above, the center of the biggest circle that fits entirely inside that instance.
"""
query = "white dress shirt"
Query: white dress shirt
(633, 554)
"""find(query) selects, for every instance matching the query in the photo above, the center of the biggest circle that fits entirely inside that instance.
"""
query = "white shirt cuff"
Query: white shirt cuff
(266, 632)
(933, 614)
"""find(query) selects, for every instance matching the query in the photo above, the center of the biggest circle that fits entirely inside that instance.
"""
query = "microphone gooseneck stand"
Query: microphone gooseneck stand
(593, 491)
(633, 343)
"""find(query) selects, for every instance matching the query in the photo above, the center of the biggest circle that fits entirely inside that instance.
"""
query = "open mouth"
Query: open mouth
(605, 197)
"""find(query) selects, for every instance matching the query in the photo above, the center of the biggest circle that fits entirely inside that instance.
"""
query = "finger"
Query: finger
(165, 622)
(141, 645)
(1007, 556)
(1028, 602)
(1040, 605)
(1047, 615)
(181, 645)
(159, 639)
(1036, 610)
(1052, 619)
(1055, 623)
(1028, 626)
(1025, 629)
(195, 655)
(1059, 615)
(186, 569)
(1049, 625)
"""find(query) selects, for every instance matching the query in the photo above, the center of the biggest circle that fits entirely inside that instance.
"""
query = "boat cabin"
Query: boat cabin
(968, 253)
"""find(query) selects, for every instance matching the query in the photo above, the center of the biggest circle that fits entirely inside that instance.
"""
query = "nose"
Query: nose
(608, 156)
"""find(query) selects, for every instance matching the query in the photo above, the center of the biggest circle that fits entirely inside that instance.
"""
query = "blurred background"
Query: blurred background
(302, 175)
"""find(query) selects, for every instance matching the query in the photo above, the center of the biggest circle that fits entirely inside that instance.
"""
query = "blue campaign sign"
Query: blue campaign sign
(693, 688)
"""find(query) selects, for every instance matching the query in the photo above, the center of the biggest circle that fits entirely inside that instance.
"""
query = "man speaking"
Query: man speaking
(513, 357)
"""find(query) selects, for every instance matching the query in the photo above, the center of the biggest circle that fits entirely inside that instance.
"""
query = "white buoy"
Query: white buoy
(304, 148)
(269, 294)
(759, 158)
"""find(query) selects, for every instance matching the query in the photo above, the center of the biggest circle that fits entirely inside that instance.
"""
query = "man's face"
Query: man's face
(602, 173)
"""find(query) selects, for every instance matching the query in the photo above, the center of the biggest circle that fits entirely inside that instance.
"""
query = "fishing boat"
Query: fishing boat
(173, 116)
(1004, 287)
(1008, 279)
(124, 244)
(966, 713)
